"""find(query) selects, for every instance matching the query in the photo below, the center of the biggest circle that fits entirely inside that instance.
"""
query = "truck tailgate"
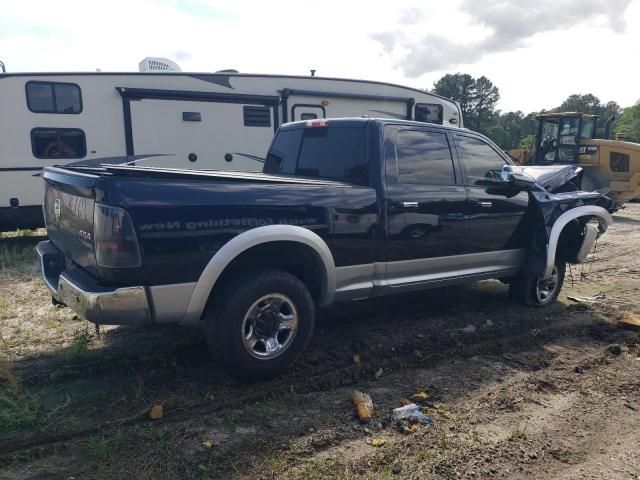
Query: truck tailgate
(68, 213)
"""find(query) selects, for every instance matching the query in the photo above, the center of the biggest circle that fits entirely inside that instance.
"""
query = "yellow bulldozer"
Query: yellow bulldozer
(609, 166)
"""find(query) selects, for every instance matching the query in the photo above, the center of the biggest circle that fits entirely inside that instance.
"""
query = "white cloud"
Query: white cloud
(561, 50)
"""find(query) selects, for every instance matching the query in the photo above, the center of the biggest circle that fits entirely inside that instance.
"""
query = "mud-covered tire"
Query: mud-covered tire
(532, 291)
(231, 324)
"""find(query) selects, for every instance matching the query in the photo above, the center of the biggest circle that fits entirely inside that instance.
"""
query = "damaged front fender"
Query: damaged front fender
(566, 218)
(590, 234)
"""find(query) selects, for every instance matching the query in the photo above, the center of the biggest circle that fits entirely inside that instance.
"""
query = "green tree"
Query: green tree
(484, 99)
(458, 87)
(477, 98)
(629, 123)
(587, 103)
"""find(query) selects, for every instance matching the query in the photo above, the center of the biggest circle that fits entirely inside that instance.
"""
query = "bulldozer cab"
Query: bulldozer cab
(559, 134)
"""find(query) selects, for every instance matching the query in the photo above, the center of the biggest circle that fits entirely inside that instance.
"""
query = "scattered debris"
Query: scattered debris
(364, 405)
(156, 412)
(404, 402)
(377, 442)
(579, 370)
(629, 320)
(437, 408)
(587, 300)
(379, 372)
(468, 329)
(356, 358)
(396, 467)
(207, 444)
(488, 323)
(405, 427)
(419, 397)
(408, 417)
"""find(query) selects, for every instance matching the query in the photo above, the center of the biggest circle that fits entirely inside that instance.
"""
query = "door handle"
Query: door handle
(485, 204)
(409, 204)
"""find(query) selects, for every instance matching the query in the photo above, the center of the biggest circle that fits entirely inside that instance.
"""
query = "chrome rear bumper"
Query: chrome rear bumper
(79, 291)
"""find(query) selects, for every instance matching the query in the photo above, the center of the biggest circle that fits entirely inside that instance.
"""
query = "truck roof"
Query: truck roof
(361, 121)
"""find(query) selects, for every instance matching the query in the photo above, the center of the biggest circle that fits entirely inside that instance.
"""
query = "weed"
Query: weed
(81, 339)
(100, 449)
(18, 409)
(444, 468)
(230, 419)
(5, 311)
(122, 437)
(517, 434)
(15, 256)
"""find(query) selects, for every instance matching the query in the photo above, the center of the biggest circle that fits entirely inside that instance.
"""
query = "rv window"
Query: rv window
(428, 113)
(58, 143)
(49, 97)
(257, 117)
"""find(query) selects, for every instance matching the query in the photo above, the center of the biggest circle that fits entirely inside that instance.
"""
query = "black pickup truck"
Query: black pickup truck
(344, 209)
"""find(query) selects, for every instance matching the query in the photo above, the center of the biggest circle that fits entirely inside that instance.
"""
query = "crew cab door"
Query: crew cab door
(495, 211)
(425, 204)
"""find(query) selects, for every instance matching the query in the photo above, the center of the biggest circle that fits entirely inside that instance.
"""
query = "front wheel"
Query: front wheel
(260, 323)
(537, 291)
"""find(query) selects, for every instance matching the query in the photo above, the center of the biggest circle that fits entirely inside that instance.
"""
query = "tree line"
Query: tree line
(478, 98)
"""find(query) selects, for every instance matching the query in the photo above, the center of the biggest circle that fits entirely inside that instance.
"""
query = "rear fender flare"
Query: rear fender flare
(257, 236)
(591, 211)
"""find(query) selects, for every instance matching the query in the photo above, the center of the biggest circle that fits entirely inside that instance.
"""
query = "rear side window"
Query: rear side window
(479, 160)
(421, 157)
(52, 97)
(335, 153)
(58, 143)
(429, 113)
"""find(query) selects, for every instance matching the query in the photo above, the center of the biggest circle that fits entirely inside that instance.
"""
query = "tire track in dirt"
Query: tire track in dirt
(395, 357)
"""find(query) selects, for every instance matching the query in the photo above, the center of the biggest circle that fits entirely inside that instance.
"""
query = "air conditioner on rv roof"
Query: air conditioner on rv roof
(155, 64)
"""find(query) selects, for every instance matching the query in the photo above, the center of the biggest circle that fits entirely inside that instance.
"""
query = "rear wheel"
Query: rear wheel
(538, 291)
(259, 323)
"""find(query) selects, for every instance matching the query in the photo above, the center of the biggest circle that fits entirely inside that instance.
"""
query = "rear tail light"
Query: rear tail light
(115, 238)
(317, 123)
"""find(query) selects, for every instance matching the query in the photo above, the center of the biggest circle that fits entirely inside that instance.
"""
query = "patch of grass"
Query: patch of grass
(81, 340)
(122, 437)
(100, 449)
(444, 468)
(5, 311)
(16, 256)
(18, 409)
(516, 435)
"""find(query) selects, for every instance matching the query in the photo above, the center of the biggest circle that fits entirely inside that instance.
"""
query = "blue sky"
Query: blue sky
(536, 51)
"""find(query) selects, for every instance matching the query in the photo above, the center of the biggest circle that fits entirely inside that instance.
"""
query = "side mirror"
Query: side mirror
(514, 175)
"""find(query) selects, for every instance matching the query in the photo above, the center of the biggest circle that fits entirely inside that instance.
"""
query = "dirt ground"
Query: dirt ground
(531, 393)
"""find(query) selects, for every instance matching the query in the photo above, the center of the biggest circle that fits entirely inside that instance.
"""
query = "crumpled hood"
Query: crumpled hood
(550, 177)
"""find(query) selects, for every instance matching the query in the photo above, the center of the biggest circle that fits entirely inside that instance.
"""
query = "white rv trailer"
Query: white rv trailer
(223, 121)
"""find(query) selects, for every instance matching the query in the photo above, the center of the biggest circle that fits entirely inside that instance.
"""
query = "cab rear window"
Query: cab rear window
(334, 153)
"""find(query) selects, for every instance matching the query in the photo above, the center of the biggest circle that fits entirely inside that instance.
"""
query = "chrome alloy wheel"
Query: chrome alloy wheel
(269, 326)
(546, 287)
